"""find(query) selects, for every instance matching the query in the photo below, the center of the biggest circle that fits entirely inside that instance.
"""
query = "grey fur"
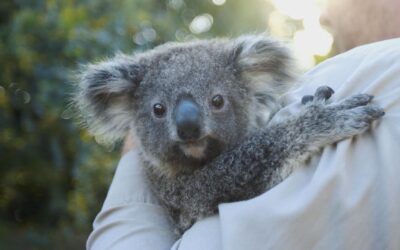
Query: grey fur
(240, 154)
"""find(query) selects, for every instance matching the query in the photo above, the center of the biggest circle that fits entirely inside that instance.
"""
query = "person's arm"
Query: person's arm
(130, 217)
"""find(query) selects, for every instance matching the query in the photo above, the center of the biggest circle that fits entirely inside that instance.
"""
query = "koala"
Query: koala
(200, 113)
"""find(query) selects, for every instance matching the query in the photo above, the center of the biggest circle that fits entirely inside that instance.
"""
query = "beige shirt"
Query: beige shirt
(346, 198)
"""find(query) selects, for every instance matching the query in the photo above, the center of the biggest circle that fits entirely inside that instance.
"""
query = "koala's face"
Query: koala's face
(186, 103)
(190, 105)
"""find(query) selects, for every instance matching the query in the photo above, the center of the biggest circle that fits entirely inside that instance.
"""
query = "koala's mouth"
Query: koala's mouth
(195, 149)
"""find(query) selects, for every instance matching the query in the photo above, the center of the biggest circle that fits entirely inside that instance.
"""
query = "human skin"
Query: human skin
(128, 144)
(358, 22)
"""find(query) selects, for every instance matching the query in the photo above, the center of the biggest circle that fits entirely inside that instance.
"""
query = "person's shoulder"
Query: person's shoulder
(364, 58)
(371, 52)
(356, 67)
(392, 44)
(388, 47)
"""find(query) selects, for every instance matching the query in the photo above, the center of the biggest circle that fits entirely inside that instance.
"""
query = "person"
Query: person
(345, 198)
(357, 22)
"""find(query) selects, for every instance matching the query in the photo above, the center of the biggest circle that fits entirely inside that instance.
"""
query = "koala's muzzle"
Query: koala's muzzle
(188, 120)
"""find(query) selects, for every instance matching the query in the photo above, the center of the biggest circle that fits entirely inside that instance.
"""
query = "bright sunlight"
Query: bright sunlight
(311, 39)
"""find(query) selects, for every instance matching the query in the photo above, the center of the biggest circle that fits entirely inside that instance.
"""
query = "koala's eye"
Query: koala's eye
(217, 101)
(159, 110)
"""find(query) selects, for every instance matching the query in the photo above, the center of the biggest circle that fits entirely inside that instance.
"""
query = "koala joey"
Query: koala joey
(200, 111)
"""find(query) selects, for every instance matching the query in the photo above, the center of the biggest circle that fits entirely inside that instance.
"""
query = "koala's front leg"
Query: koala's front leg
(320, 124)
(262, 160)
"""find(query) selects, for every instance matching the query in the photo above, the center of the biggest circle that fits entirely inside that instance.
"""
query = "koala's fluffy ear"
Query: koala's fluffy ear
(104, 96)
(267, 70)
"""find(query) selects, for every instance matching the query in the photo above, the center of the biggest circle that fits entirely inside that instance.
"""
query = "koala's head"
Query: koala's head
(186, 102)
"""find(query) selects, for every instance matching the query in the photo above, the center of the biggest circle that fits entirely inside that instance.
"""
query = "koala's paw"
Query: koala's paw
(331, 122)
(322, 94)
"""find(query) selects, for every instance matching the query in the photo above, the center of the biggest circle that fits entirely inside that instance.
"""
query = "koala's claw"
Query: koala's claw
(323, 93)
(357, 120)
(355, 101)
(369, 113)
(306, 99)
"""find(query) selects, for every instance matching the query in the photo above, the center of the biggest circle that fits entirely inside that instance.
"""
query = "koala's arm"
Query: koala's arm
(262, 160)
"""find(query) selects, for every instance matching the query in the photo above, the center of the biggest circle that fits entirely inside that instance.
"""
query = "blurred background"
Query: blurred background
(53, 175)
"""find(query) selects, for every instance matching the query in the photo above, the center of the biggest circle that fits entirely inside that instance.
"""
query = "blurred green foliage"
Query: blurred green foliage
(53, 175)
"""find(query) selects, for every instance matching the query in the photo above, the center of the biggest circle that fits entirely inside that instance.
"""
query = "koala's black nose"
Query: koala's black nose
(188, 120)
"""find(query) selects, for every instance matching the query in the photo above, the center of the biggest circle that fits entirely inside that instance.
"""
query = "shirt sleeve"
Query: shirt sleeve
(131, 217)
(345, 198)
